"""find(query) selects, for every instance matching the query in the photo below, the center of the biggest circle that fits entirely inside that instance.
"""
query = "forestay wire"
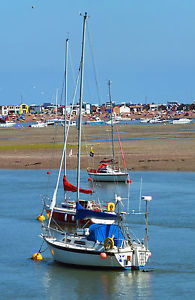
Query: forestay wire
(53, 202)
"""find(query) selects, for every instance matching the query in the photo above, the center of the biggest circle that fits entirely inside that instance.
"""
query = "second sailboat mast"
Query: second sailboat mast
(111, 119)
(80, 107)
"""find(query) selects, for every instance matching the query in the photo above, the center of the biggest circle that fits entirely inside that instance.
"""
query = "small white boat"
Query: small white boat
(7, 124)
(145, 120)
(38, 124)
(53, 122)
(181, 121)
(155, 120)
(68, 123)
(110, 122)
(107, 172)
(96, 121)
(50, 122)
(72, 123)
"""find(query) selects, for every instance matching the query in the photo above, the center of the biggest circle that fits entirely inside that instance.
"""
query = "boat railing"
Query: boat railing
(52, 232)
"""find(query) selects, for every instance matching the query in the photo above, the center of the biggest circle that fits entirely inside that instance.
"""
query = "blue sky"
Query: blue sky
(145, 47)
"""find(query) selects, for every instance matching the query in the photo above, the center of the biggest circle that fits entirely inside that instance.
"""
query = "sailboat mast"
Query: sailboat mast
(80, 107)
(113, 154)
(65, 101)
(146, 216)
(56, 112)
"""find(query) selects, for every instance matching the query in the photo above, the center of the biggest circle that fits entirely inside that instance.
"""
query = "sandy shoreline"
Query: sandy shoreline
(145, 147)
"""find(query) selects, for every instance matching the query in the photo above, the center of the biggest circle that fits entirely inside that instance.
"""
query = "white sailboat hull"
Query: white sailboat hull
(111, 177)
(7, 124)
(80, 256)
(182, 121)
(83, 259)
(39, 125)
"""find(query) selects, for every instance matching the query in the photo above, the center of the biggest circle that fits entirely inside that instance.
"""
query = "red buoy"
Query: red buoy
(48, 172)
(103, 255)
(89, 179)
(128, 180)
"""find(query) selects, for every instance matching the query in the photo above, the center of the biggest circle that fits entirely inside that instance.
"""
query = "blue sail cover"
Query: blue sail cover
(82, 213)
(99, 232)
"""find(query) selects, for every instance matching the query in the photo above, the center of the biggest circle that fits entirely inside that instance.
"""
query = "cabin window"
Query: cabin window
(79, 242)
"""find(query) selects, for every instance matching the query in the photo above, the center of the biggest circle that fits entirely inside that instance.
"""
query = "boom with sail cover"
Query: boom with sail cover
(70, 187)
(106, 161)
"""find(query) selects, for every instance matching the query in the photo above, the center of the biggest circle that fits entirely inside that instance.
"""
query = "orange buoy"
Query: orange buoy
(128, 180)
(37, 256)
(48, 172)
(41, 218)
(103, 255)
(89, 179)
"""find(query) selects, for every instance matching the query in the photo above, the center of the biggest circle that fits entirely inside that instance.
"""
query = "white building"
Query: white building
(87, 108)
(154, 107)
(9, 109)
(124, 110)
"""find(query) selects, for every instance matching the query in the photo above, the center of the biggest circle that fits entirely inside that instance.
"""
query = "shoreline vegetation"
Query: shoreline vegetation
(146, 147)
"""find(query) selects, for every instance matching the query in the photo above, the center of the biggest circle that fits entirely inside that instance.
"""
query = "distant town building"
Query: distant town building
(24, 109)
(173, 105)
(46, 105)
(87, 108)
(136, 108)
(95, 108)
(34, 108)
(154, 107)
(124, 109)
(6, 110)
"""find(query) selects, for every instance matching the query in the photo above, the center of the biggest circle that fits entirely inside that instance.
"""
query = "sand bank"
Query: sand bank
(145, 147)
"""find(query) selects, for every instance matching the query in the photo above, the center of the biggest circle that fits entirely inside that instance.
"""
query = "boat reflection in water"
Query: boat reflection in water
(86, 284)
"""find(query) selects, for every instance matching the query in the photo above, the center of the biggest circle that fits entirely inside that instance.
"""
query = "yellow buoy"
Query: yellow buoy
(41, 218)
(37, 256)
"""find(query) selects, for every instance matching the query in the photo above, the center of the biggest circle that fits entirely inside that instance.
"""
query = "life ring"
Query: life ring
(111, 206)
(109, 243)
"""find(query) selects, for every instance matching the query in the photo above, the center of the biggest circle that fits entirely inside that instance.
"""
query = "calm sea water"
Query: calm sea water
(171, 270)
